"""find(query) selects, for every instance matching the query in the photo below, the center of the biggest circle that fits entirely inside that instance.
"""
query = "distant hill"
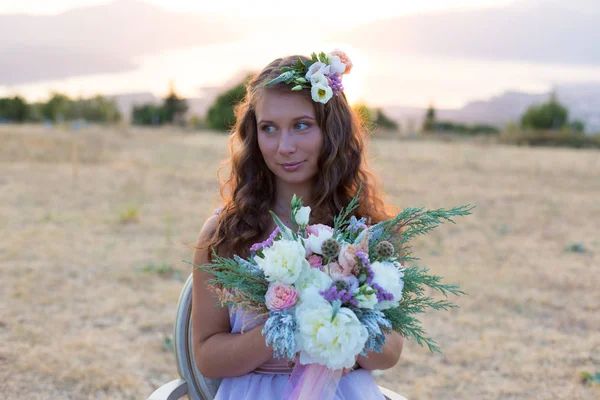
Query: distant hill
(582, 100)
(99, 39)
(125, 102)
(196, 105)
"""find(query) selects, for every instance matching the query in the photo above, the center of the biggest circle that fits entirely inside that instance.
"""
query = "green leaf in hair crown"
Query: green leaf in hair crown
(322, 74)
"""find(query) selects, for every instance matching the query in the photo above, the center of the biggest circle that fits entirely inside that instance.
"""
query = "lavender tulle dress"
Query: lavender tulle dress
(269, 380)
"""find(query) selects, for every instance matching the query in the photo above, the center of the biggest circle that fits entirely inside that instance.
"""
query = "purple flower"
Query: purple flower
(381, 294)
(366, 267)
(257, 246)
(339, 291)
(335, 82)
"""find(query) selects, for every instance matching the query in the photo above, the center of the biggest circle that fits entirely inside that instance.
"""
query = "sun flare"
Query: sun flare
(354, 82)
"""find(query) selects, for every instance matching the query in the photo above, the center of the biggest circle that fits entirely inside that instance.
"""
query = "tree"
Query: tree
(383, 121)
(98, 109)
(577, 126)
(220, 115)
(174, 106)
(14, 110)
(430, 120)
(148, 114)
(548, 116)
(57, 108)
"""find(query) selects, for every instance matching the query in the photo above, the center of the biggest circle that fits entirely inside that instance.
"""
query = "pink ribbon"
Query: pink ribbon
(312, 382)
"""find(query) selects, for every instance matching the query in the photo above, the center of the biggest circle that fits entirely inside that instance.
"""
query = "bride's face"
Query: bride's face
(288, 135)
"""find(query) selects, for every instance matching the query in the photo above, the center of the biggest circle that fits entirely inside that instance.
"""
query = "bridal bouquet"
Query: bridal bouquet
(331, 293)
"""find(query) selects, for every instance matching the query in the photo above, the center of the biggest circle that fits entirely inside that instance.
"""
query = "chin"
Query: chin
(294, 179)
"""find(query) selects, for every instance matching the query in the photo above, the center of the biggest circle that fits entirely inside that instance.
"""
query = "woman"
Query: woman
(285, 142)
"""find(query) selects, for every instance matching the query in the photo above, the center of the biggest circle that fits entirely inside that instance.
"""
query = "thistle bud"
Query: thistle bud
(384, 249)
(330, 248)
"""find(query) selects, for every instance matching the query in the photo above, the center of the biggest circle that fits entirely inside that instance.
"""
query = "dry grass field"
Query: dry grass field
(91, 261)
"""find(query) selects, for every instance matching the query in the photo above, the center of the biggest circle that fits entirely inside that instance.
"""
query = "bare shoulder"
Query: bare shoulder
(206, 233)
(208, 317)
(209, 228)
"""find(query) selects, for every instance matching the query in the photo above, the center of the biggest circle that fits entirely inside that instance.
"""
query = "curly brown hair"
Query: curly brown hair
(249, 192)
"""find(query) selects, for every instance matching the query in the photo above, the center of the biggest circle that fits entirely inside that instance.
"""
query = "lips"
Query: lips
(291, 167)
(292, 164)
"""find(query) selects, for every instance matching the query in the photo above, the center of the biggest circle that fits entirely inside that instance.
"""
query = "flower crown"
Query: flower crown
(323, 72)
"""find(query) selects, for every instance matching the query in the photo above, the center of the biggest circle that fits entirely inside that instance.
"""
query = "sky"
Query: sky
(418, 80)
(348, 13)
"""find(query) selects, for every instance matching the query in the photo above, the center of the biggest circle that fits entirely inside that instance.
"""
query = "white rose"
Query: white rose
(336, 66)
(302, 215)
(315, 242)
(317, 67)
(320, 340)
(319, 79)
(366, 301)
(311, 281)
(283, 262)
(389, 278)
(321, 93)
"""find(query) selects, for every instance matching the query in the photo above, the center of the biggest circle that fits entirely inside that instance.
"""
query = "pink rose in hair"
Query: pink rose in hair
(315, 261)
(280, 297)
(344, 59)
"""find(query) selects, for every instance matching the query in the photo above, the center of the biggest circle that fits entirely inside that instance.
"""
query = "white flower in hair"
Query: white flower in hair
(322, 74)
(317, 67)
(319, 79)
(321, 93)
(336, 66)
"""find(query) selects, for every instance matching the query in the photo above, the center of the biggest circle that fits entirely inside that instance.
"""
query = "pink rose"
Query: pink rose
(314, 229)
(280, 297)
(336, 271)
(347, 258)
(344, 59)
(315, 261)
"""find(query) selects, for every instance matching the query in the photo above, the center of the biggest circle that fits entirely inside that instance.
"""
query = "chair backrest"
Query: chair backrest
(199, 387)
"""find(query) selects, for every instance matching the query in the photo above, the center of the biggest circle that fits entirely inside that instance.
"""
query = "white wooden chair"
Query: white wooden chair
(191, 381)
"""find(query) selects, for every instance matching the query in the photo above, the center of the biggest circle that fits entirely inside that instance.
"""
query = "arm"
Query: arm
(388, 357)
(217, 352)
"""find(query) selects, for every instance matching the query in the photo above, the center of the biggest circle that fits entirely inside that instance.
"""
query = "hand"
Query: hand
(346, 371)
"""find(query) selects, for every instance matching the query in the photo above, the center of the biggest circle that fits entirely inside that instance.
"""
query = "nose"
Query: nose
(287, 143)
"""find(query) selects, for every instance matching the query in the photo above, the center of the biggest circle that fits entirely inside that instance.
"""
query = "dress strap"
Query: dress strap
(217, 211)
(274, 366)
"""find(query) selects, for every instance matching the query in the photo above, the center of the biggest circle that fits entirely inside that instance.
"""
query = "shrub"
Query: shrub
(220, 115)
(13, 109)
(553, 139)
(384, 122)
(550, 115)
(148, 114)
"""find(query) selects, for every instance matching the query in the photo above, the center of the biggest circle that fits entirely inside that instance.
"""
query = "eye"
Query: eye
(302, 126)
(268, 128)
